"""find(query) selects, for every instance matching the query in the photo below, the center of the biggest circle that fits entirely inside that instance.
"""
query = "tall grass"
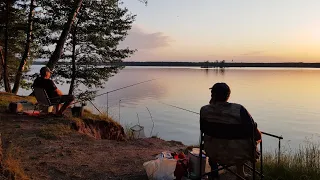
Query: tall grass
(300, 164)
(128, 132)
(12, 165)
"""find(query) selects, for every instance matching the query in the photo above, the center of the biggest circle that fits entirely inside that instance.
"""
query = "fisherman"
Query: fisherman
(55, 95)
(220, 111)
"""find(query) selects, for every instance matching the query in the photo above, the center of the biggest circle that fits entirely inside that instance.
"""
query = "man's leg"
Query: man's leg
(58, 106)
(214, 166)
(67, 100)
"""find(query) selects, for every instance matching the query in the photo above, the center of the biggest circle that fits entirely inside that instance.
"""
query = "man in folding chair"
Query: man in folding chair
(55, 94)
(224, 150)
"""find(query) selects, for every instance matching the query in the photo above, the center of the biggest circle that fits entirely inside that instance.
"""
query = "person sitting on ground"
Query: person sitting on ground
(220, 111)
(55, 94)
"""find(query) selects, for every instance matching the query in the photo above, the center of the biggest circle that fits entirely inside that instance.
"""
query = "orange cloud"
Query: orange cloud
(139, 39)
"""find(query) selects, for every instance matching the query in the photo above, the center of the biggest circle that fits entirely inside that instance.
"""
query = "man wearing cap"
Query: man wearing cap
(220, 111)
(52, 91)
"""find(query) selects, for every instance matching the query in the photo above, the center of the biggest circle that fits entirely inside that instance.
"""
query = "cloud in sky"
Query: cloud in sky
(142, 40)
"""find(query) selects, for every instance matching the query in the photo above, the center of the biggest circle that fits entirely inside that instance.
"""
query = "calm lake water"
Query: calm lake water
(282, 101)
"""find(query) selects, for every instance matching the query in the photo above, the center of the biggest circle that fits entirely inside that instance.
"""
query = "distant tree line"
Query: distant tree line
(207, 64)
(83, 33)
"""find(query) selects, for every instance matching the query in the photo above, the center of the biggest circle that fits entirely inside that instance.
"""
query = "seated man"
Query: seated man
(52, 91)
(219, 110)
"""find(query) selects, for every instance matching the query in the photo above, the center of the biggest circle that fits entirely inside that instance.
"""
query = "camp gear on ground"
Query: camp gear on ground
(194, 162)
(161, 168)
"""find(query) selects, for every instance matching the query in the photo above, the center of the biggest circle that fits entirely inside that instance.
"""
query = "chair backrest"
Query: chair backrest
(227, 131)
(41, 96)
(228, 143)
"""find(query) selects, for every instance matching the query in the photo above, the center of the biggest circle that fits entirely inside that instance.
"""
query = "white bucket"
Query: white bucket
(46, 109)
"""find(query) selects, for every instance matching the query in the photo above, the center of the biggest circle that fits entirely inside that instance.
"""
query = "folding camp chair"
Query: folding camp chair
(231, 132)
(43, 99)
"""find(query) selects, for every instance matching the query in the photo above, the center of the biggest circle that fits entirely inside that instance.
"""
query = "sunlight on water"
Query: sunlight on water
(282, 101)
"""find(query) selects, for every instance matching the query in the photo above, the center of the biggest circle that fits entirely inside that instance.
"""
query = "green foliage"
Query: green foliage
(93, 41)
(18, 18)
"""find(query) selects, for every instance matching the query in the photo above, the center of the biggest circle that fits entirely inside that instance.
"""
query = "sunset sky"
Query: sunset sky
(242, 30)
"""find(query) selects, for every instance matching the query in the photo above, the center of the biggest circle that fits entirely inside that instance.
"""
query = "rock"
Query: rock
(15, 107)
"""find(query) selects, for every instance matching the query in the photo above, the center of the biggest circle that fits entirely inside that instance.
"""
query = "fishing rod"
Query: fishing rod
(265, 133)
(125, 87)
(179, 108)
(107, 93)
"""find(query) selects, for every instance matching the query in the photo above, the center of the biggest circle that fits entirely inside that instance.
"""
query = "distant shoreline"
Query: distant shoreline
(210, 64)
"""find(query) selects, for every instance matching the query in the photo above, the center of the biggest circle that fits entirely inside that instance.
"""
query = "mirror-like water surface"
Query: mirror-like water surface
(282, 101)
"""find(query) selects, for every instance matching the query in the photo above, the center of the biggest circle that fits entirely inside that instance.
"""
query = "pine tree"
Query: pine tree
(11, 39)
(15, 45)
(27, 46)
(92, 43)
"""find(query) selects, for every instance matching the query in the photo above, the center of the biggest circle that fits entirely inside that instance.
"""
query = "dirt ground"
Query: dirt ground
(47, 149)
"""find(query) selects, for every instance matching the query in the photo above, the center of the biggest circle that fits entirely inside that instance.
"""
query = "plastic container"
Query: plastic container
(194, 163)
(77, 111)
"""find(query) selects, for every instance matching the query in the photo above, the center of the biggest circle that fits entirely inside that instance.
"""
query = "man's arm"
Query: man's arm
(247, 119)
(54, 87)
(59, 92)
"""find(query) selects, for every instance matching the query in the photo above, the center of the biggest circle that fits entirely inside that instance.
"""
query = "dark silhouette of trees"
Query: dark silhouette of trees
(26, 26)
(93, 40)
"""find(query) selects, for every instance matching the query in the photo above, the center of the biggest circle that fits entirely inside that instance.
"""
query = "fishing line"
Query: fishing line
(116, 90)
(265, 133)
(125, 87)
(179, 108)
(95, 107)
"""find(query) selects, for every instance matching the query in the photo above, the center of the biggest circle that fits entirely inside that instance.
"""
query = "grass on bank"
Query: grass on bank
(54, 131)
(12, 166)
(56, 127)
(6, 98)
(302, 164)
(87, 114)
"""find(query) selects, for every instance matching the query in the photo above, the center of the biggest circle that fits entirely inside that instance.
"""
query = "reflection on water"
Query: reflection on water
(217, 71)
(282, 101)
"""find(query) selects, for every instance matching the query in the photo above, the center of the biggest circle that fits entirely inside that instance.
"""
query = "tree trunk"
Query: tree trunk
(63, 37)
(73, 76)
(26, 50)
(2, 62)
(5, 66)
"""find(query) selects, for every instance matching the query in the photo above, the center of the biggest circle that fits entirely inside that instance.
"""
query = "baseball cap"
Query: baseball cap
(44, 69)
(220, 88)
